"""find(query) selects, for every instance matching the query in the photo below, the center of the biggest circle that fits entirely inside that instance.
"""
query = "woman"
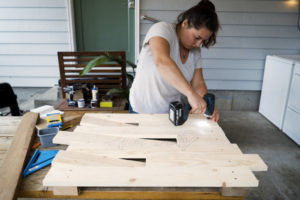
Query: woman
(170, 62)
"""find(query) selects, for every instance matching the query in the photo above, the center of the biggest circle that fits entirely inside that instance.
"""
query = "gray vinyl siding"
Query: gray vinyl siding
(31, 33)
(251, 29)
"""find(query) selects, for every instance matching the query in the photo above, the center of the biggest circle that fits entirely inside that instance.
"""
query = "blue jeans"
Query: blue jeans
(131, 110)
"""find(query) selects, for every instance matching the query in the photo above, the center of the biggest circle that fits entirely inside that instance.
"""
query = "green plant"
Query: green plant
(108, 58)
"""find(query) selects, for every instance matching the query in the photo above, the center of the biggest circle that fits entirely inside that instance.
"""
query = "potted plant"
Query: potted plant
(107, 58)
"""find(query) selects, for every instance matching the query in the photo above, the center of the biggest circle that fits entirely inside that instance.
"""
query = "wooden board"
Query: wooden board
(198, 154)
(9, 125)
(91, 176)
(148, 120)
(12, 165)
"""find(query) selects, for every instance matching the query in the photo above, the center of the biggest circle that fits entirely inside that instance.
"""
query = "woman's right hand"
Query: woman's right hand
(197, 103)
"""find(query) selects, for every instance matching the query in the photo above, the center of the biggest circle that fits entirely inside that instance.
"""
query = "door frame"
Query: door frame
(72, 32)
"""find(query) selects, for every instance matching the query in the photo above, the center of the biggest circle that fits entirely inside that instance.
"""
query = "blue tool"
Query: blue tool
(39, 160)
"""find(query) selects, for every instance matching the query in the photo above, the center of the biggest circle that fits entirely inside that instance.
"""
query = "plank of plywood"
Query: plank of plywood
(12, 165)
(90, 176)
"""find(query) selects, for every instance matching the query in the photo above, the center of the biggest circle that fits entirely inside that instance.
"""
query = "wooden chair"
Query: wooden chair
(105, 76)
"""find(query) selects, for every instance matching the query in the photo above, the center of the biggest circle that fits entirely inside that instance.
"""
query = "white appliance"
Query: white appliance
(280, 96)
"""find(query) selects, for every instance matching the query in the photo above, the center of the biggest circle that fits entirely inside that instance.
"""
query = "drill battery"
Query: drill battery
(178, 113)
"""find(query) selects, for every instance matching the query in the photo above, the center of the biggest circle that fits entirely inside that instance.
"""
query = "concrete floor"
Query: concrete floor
(253, 134)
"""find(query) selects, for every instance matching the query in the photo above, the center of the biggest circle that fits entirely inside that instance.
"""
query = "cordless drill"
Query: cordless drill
(70, 91)
(179, 112)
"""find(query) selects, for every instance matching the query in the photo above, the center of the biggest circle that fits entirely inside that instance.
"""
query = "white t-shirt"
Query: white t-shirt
(149, 92)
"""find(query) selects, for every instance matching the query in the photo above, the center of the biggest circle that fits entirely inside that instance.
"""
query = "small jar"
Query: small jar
(93, 103)
(81, 103)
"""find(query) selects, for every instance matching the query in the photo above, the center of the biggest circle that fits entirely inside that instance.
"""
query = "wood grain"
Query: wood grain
(13, 163)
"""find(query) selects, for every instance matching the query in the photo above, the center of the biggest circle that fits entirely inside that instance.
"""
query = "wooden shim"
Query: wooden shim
(93, 176)
(12, 165)
(72, 191)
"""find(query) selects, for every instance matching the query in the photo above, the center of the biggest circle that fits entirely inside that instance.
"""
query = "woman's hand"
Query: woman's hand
(215, 116)
(197, 103)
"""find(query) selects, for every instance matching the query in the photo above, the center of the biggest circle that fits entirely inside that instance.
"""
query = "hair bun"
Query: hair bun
(208, 4)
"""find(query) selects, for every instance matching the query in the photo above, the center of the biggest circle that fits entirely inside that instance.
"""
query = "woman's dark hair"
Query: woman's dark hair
(202, 15)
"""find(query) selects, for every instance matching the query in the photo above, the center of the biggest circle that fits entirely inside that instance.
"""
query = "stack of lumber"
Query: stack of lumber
(147, 150)
(8, 127)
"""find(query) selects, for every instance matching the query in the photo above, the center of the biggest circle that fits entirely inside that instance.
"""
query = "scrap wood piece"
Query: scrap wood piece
(11, 169)
(92, 176)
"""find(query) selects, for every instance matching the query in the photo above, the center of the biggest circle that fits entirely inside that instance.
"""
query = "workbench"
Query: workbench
(31, 186)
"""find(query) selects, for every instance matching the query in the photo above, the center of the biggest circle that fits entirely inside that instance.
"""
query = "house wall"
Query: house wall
(251, 29)
(31, 33)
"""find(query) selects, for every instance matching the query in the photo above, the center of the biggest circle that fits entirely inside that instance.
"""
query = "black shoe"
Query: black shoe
(4, 114)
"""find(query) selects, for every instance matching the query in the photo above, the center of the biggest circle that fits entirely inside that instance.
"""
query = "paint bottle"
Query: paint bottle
(94, 93)
(81, 103)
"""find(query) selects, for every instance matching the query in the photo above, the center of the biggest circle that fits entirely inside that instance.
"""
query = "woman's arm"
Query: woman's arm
(170, 72)
(198, 82)
(199, 85)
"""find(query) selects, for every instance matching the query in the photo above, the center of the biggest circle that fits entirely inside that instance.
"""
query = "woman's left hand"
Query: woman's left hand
(215, 116)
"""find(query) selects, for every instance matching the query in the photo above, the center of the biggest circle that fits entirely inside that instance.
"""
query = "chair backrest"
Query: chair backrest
(104, 76)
